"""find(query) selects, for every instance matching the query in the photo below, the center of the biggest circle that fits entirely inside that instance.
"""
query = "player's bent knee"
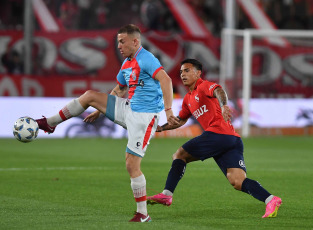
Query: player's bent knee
(179, 154)
(183, 155)
(89, 95)
(235, 182)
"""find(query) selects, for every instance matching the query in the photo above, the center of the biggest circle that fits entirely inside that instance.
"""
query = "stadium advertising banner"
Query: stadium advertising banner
(263, 113)
(68, 63)
(35, 107)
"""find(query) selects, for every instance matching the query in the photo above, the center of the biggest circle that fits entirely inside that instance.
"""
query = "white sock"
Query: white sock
(138, 186)
(72, 109)
(167, 192)
(268, 199)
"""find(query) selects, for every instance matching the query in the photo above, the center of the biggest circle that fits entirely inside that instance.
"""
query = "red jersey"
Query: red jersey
(202, 104)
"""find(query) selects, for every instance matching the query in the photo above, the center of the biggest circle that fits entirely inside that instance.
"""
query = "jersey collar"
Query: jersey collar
(199, 81)
(140, 48)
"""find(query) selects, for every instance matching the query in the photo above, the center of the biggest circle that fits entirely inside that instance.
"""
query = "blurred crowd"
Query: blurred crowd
(285, 14)
(154, 14)
(149, 15)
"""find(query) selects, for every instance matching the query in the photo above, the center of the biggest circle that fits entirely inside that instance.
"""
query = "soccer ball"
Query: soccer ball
(25, 129)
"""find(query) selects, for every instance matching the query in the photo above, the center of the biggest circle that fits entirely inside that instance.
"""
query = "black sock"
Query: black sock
(175, 174)
(255, 189)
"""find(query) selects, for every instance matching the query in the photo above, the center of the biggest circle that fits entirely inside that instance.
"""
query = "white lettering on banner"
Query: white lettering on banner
(271, 69)
(47, 51)
(87, 55)
(32, 88)
(300, 66)
(71, 86)
(7, 86)
(76, 52)
(199, 112)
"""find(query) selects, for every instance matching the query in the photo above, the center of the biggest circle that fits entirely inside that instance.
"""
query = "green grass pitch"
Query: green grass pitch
(83, 184)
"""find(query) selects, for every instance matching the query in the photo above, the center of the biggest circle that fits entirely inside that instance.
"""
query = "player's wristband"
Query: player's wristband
(167, 109)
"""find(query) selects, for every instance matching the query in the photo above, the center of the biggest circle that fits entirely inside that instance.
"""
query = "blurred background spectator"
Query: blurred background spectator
(68, 14)
(148, 14)
(12, 62)
(155, 14)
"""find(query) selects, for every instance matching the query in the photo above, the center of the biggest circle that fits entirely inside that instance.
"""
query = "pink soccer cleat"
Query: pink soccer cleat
(139, 217)
(160, 199)
(272, 207)
(43, 124)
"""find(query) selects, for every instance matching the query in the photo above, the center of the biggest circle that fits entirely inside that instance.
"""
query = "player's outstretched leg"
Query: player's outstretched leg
(272, 207)
(72, 109)
(255, 189)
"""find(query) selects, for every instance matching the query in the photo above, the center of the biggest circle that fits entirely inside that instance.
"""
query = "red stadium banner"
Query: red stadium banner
(52, 86)
(67, 64)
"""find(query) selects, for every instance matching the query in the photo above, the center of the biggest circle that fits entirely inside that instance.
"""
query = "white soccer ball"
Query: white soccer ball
(25, 129)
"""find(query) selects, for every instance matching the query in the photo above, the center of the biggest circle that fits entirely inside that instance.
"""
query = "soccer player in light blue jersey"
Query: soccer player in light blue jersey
(149, 92)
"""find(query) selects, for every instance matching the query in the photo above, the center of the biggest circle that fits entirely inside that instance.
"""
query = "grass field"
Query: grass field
(83, 184)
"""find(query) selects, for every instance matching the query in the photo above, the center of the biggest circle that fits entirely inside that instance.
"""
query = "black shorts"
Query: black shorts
(227, 150)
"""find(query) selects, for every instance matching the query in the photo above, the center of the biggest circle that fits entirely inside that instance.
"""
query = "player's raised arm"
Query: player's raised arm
(167, 89)
(221, 96)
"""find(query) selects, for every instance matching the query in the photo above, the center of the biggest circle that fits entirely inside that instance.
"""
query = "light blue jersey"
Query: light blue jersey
(145, 93)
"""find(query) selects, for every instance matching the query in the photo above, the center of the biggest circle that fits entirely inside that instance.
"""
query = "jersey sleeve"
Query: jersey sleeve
(185, 112)
(120, 79)
(209, 88)
(151, 65)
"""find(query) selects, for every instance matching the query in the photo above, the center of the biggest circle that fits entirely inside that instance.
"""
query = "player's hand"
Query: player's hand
(171, 119)
(159, 129)
(92, 117)
(227, 113)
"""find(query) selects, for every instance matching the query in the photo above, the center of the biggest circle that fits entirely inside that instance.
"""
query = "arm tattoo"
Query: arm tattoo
(166, 126)
(221, 96)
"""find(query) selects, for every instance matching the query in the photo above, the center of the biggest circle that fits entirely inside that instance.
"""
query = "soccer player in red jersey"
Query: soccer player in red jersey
(207, 102)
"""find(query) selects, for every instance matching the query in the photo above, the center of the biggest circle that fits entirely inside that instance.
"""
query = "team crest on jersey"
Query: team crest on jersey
(197, 98)
(133, 75)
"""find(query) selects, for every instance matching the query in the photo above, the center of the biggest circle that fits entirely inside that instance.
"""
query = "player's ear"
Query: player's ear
(199, 73)
(136, 41)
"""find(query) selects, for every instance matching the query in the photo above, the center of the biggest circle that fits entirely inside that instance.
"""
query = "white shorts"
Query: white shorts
(140, 126)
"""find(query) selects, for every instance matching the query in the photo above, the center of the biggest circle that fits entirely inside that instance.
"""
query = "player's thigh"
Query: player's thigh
(116, 110)
(95, 99)
(209, 144)
(140, 127)
(232, 158)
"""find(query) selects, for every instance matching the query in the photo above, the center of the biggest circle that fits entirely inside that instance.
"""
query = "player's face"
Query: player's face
(126, 45)
(189, 74)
